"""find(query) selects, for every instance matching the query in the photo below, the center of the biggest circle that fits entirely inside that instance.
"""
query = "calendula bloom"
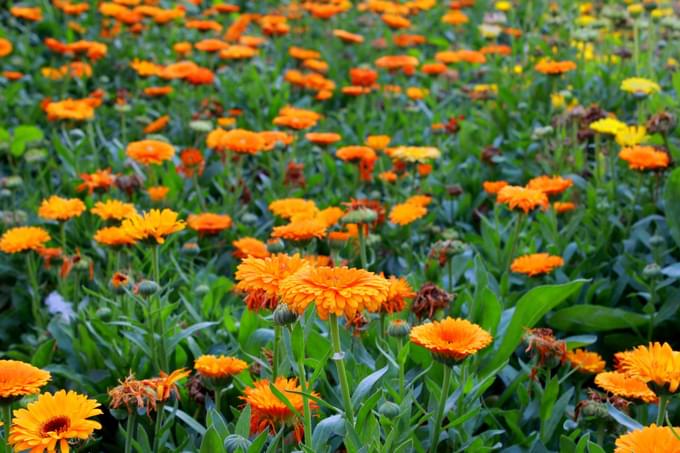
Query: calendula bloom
(399, 292)
(405, 213)
(53, 421)
(650, 439)
(247, 246)
(334, 290)
(301, 230)
(99, 180)
(323, 138)
(420, 200)
(150, 152)
(638, 85)
(236, 140)
(114, 236)
(112, 209)
(625, 386)
(287, 208)
(58, 208)
(493, 187)
(419, 154)
(70, 109)
(260, 278)
(27, 13)
(158, 91)
(154, 224)
(219, 367)
(158, 193)
(165, 385)
(209, 223)
(550, 185)
(157, 125)
(269, 413)
(644, 158)
(134, 394)
(451, 338)
(631, 135)
(20, 239)
(348, 37)
(586, 361)
(607, 125)
(522, 198)
(562, 207)
(18, 379)
(5, 47)
(536, 264)
(355, 153)
(657, 363)
(192, 162)
(555, 67)
(378, 142)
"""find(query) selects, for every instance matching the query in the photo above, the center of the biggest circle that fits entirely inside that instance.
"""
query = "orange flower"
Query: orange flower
(562, 207)
(19, 239)
(113, 237)
(236, 140)
(455, 17)
(112, 209)
(433, 68)
(419, 200)
(348, 37)
(5, 47)
(211, 45)
(268, 412)
(219, 367)
(70, 109)
(644, 158)
(158, 193)
(150, 152)
(301, 230)
(287, 208)
(399, 292)
(238, 52)
(334, 290)
(657, 363)
(166, 384)
(323, 138)
(522, 198)
(153, 224)
(12, 75)
(57, 208)
(274, 138)
(300, 53)
(405, 213)
(586, 361)
(329, 216)
(157, 124)
(555, 67)
(458, 56)
(30, 14)
(363, 77)
(625, 386)
(536, 264)
(406, 40)
(99, 180)
(192, 161)
(493, 187)
(388, 176)
(354, 153)
(296, 118)
(250, 247)
(209, 223)
(397, 62)
(378, 142)
(19, 378)
(451, 338)
(260, 278)
(550, 185)
(650, 439)
(395, 21)
(158, 91)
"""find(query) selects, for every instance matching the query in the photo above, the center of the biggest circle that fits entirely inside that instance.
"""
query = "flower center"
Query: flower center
(56, 424)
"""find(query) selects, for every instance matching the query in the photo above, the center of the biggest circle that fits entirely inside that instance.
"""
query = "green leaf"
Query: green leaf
(671, 195)
(284, 399)
(4, 135)
(243, 423)
(43, 355)
(367, 384)
(28, 134)
(188, 419)
(212, 442)
(595, 318)
(529, 310)
(326, 428)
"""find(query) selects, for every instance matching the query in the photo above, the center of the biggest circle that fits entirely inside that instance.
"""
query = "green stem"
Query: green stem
(511, 245)
(402, 386)
(155, 264)
(157, 427)
(275, 353)
(7, 420)
(35, 296)
(362, 246)
(218, 400)
(440, 409)
(338, 357)
(305, 401)
(449, 266)
(129, 435)
(199, 192)
(663, 404)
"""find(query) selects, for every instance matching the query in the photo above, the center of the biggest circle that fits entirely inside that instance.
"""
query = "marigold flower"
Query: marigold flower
(607, 125)
(334, 290)
(99, 180)
(301, 230)
(18, 379)
(158, 193)
(112, 209)
(166, 384)
(287, 208)
(236, 140)
(70, 109)
(354, 153)
(378, 142)
(250, 247)
(209, 223)
(396, 62)
(631, 135)
(19, 239)
(348, 37)
(134, 394)
(268, 412)
(153, 224)
(657, 363)
(562, 207)
(493, 187)
(450, 338)
(219, 367)
(644, 158)
(420, 154)
(157, 125)
(54, 419)
(522, 198)
(114, 236)
(58, 208)
(550, 185)
(400, 291)
(27, 13)
(625, 386)
(158, 90)
(555, 67)
(150, 152)
(586, 361)
(638, 85)
(420, 200)
(536, 264)
(650, 439)
(5, 47)
(323, 138)
(405, 213)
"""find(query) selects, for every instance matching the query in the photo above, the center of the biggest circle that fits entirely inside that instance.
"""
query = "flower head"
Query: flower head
(247, 246)
(150, 152)
(536, 264)
(638, 85)
(114, 236)
(656, 363)
(625, 386)
(19, 378)
(586, 361)
(288, 208)
(607, 125)
(153, 224)
(260, 278)
(334, 290)
(219, 367)
(550, 185)
(451, 338)
(209, 223)
(631, 135)
(301, 229)
(400, 291)
(405, 213)
(54, 420)
(555, 67)
(19, 239)
(58, 208)
(644, 158)
(522, 198)
(415, 153)
(650, 439)
(112, 209)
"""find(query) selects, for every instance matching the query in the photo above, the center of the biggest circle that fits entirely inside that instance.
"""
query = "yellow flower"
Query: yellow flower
(415, 153)
(219, 367)
(631, 135)
(608, 126)
(153, 224)
(112, 209)
(451, 338)
(18, 379)
(503, 6)
(638, 85)
(57, 208)
(19, 239)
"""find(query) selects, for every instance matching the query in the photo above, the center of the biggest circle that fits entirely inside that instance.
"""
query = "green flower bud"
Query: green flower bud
(651, 270)
(202, 290)
(234, 442)
(389, 409)
(359, 216)
(122, 108)
(35, 155)
(276, 246)
(398, 328)
(284, 315)
(148, 287)
(249, 218)
(190, 249)
(201, 126)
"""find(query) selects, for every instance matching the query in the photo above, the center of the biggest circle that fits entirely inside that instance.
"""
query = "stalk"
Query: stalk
(440, 409)
(340, 364)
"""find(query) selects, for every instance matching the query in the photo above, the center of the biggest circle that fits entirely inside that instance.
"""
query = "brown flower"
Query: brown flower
(428, 300)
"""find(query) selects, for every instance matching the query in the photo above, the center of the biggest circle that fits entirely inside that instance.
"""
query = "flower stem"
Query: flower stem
(7, 419)
(338, 357)
(440, 409)
(305, 401)
(157, 427)
(199, 192)
(663, 403)
(35, 297)
(362, 247)
(275, 353)
(129, 435)
(218, 400)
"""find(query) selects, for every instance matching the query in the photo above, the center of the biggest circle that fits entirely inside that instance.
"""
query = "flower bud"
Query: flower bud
(103, 313)
(651, 270)
(148, 287)
(398, 328)
(275, 246)
(389, 409)
(35, 155)
(249, 218)
(201, 126)
(284, 315)
(190, 249)
(656, 241)
(235, 442)
(360, 216)
(202, 290)
(119, 283)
